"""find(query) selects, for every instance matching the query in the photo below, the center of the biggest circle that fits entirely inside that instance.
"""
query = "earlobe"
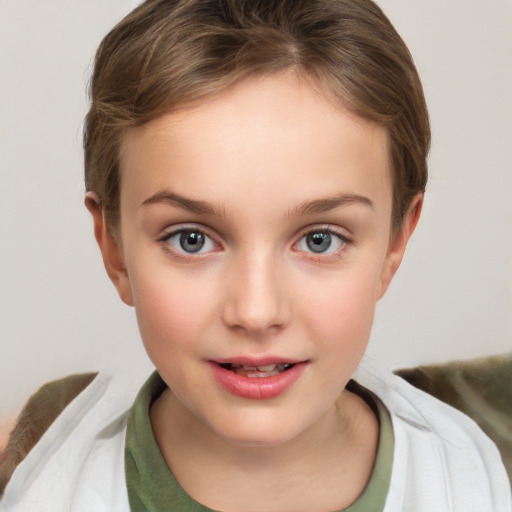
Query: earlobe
(111, 250)
(399, 243)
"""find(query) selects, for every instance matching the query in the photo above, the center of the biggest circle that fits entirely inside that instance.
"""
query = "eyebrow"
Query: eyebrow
(330, 203)
(305, 208)
(192, 205)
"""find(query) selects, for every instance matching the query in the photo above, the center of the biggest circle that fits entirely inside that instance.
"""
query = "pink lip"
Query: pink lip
(256, 388)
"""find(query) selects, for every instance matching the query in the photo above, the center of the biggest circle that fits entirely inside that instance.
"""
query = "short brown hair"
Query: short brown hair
(167, 53)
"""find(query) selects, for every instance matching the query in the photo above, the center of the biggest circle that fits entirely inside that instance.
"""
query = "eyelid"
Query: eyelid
(327, 228)
(186, 226)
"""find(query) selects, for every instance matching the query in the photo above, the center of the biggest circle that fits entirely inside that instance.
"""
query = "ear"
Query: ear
(399, 243)
(111, 250)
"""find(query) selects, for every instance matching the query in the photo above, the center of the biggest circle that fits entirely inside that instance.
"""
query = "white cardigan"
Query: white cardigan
(442, 461)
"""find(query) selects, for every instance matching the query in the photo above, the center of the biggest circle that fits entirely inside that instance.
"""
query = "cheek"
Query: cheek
(170, 312)
(341, 311)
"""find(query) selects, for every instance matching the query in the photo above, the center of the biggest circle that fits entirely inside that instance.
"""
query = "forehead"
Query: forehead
(269, 138)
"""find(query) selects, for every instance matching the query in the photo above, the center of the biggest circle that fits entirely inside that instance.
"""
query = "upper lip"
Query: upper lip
(257, 361)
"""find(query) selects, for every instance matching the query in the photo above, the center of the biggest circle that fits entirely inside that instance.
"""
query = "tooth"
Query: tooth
(267, 368)
(260, 375)
(249, 368)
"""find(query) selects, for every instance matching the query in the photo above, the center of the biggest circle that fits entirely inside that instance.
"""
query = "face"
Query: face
(254, 244)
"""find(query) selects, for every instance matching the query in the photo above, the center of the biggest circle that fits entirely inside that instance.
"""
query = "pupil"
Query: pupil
(191, 241)
(318, 242)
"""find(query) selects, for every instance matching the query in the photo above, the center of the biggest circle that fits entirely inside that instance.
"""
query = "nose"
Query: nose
(255, 300)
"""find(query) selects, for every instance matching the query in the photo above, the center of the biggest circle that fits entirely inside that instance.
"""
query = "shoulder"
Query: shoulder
(41, 410)
(480, 388)
(79, 457)
(441, 456)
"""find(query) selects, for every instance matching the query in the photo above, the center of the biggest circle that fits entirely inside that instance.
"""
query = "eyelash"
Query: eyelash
(326, 231)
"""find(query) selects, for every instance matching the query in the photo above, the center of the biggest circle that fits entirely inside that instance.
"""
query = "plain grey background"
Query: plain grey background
(452, 298)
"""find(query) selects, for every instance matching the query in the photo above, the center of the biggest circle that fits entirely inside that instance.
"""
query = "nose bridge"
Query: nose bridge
(255, 299)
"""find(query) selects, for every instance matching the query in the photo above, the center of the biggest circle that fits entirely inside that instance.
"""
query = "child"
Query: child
(254, 170)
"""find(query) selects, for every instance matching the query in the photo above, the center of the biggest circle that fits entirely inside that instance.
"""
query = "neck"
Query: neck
(326, 467)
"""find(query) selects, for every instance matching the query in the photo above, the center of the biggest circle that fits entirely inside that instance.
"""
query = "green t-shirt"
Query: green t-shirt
(153, 488)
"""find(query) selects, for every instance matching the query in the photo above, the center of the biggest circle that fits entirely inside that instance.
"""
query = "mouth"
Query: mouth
(251, 372)
(257, 379)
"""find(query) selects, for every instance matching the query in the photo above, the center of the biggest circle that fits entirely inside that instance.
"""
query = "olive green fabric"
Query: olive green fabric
(480, 388)
(152, 487)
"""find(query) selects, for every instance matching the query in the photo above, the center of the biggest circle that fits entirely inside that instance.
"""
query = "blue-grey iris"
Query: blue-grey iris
(192, 241)
(319, 241)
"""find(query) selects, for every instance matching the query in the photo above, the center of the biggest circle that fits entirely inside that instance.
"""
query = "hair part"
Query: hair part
(170, 53)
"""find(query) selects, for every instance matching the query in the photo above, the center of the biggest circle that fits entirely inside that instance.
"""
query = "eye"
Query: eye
(189, 241)
(321, 241)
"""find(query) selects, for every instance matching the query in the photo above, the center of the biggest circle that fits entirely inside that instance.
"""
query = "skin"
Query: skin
(274, 160)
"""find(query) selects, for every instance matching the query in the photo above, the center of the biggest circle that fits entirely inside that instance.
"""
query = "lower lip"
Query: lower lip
(257, 388)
